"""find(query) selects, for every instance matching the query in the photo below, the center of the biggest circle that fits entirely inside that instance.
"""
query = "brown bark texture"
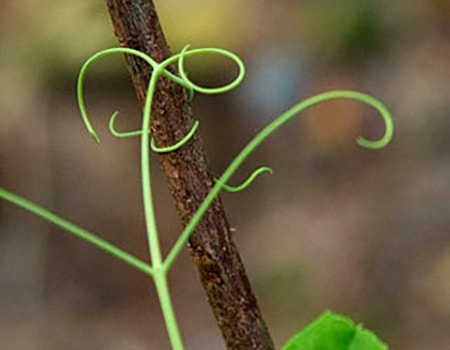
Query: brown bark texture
(212, 248)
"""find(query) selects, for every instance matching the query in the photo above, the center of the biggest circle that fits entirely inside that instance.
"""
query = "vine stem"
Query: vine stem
(160, 273)
(162, 288)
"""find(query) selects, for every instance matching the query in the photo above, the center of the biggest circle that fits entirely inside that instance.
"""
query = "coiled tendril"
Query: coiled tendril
(160, 69)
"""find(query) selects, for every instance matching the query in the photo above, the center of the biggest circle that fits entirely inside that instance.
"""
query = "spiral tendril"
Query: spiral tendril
(215, 90)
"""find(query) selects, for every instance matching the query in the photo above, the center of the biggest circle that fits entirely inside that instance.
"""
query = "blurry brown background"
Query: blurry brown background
(336, 227)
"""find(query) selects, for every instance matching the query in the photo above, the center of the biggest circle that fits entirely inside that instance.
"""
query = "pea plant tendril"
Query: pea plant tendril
(159, 266)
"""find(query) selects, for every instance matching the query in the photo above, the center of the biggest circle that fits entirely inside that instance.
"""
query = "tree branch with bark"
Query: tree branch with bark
(211, 246)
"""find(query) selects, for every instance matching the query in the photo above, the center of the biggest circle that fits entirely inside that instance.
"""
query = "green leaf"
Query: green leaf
(334, 332)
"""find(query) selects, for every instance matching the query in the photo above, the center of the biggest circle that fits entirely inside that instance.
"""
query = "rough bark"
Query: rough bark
(212, 248)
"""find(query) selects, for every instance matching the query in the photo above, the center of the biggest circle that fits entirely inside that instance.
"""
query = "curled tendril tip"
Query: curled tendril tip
(119, 134)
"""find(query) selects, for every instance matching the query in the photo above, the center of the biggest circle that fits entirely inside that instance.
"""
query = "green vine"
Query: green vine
(159, 266)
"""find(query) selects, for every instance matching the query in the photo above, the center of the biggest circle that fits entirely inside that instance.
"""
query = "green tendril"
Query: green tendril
(217, 90)
(387, 119)
(81, 77)
(247, 182)
(119, 134)
(177, 145)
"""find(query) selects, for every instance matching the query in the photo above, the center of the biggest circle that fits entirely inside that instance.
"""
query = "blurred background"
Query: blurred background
(363, 233)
